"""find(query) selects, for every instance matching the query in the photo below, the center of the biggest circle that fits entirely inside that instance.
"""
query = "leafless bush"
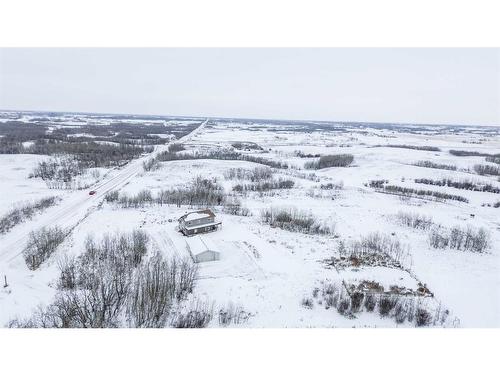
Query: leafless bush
(465, 239)
(374, 249)
(263, 186)
(357, 299)
(247, 146)
(198, 315)
(422, 317)
(233, 206)
(377, 184)
(332, 186)
(58, 168)
(157, 286)
(493, 159)
(255, 175)
(294, 220)
(176, 147)
(370, 302)
(25, 212)
(410, 192)
(232, 315)
(404, 310)
(414, 220)
(386, 304)
(68, 272)
(327, 161)
(141, 199)
(151, 164)
(487, 170)
(307, 302)
(430, 164)
(112, 196)
(221, 155)
(411, 147)
(41, 244)
(463, 184)
(401, 308)
(108, 283)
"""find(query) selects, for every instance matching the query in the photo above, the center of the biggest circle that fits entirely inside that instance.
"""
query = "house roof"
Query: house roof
(198, 245)
(197, 215)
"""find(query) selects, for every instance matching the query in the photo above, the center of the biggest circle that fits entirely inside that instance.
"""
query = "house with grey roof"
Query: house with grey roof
(196, 222)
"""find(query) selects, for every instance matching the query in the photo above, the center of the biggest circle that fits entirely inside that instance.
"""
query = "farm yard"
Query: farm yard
(323, 224)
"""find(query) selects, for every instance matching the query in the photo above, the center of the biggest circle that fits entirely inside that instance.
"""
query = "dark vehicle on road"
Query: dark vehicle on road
(92, 192)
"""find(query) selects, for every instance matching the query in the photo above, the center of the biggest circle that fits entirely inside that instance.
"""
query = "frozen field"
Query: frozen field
(280, 278)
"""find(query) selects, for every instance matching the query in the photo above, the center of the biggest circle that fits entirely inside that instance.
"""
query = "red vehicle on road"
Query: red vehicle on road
(92, 192)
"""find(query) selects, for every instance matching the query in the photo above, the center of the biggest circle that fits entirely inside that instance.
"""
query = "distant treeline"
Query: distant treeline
(88, 144)
(472, 153)
(220, 155)
(430, 164)
(464, 184)
(380, 185)
(411, 147)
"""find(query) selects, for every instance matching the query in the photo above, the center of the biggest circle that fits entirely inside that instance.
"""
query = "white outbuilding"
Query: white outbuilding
(202, 249)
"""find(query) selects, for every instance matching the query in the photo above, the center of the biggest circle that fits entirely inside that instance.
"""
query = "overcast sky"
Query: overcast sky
(447, 86)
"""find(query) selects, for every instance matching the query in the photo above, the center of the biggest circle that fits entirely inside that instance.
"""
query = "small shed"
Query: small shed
(202, 249)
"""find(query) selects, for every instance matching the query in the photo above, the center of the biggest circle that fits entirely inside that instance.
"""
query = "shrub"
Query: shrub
(327, 161)
(465, 239)
(344, 305)
(294, 220)
(357, 301)
(404, 310)
(307, 302)
(493, 159)
(232, 315)
(198, 316)
(248, 146)
(221, 155)
(41, 245)
(386, 304)
(68, 269)
(25, 212)
(109, 286)
(464, 184)
(265, 186)
(151, 164)
(414, 220)
(255, 175)
(487, 170)
(410, 192)
(378, 184)
(112, 196)
(468, 153)
(374, 249)
(158, 284)
(430, 164)
(176, 147)
(370, 302)
(332, 186)
(410, 147)
(422, 317)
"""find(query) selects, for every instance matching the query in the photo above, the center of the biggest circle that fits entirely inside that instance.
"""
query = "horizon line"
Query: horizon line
(248, 118)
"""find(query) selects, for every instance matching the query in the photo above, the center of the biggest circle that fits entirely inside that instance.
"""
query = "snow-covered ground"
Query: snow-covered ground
(268, 271)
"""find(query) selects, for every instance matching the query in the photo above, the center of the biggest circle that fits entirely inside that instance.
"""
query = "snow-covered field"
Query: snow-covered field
(269, 272)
